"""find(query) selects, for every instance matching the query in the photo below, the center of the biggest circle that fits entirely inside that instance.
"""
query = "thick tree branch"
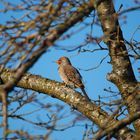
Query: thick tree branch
(122, 74)
(68, 95)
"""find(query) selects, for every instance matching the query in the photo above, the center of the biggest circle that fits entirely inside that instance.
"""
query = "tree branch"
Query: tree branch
(52, 36)
(119, 125)
(122, 74)
(68, 95)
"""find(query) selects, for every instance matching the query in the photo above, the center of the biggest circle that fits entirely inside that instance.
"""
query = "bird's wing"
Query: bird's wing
(73, 75)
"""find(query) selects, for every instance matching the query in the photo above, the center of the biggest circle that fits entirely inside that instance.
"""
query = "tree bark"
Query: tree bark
(69, 96)
(122, 74)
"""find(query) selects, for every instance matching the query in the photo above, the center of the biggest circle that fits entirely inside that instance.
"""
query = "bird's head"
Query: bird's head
(63, 61)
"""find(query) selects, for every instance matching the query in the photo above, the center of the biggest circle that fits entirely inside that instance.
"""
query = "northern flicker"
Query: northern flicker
(70, 75)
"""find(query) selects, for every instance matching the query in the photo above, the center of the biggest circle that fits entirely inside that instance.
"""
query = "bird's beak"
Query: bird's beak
(54, 61)
(57, 62)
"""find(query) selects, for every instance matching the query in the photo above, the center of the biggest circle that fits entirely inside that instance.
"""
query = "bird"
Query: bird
(70, 75)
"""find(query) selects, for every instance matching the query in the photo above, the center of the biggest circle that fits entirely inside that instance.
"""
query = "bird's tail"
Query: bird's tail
(84, 92)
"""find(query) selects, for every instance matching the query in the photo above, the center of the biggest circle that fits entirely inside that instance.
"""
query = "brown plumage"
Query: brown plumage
(70, 75)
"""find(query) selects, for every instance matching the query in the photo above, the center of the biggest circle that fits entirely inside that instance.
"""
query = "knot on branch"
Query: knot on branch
(118, 76)
(112, 77)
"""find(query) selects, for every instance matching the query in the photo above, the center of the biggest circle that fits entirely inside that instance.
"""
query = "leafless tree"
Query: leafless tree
(35, 27)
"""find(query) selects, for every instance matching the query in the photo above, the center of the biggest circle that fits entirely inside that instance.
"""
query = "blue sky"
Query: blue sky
(94, 80)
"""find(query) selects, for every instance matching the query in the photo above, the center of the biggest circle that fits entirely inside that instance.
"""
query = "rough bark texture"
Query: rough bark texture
(68, 95)
(122, 74)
